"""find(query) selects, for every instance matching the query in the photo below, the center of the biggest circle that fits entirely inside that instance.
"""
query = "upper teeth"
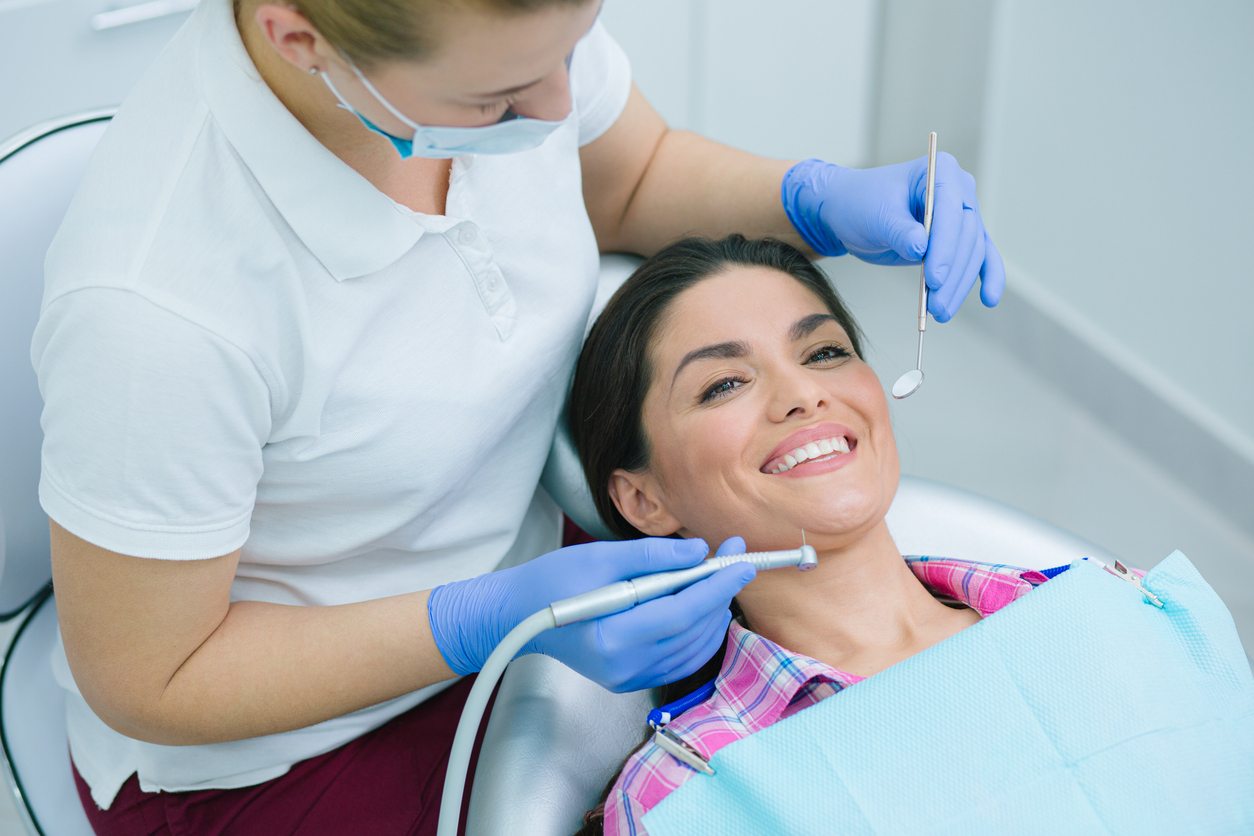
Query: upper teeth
(813, 450)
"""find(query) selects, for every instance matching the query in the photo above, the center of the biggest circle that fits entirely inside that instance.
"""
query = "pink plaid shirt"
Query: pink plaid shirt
(762, 683)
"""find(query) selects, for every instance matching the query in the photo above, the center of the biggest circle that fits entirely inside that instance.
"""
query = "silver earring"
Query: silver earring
(313, 70)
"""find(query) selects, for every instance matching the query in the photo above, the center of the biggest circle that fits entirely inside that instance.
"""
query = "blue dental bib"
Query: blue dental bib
(1078, 709)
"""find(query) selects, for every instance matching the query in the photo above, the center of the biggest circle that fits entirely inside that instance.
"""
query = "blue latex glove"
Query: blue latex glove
(877, 214)
(656, 642)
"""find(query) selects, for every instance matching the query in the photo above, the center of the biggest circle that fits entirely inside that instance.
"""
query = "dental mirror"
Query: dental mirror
(910, 382)
(907, 383)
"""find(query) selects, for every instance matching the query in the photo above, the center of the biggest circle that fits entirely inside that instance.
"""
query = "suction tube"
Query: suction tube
(607, 600)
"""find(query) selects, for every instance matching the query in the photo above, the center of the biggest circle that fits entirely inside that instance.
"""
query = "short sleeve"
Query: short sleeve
(153, 427)
(600, 81)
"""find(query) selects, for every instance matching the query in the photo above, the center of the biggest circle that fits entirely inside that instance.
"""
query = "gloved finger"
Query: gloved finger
(629, 661)
(674, 651)
(888, 258)
(732, 545)
(633, 558)
(941, 299)
(687, 658)
(947, 212)
(944, 303)
(659, 619)
(992, 274)
(903, 236)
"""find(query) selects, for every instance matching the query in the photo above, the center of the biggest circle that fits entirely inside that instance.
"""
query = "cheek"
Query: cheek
(700, 463)
(869, 398)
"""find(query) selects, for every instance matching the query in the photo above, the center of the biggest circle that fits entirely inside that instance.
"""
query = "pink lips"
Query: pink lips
(803, 437)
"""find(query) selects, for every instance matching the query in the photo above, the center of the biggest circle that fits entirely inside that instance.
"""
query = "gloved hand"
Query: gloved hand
(653, 643)
(877, 214)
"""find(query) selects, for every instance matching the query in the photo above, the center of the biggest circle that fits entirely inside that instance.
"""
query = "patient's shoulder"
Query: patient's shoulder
(652, 773)
(757, 683)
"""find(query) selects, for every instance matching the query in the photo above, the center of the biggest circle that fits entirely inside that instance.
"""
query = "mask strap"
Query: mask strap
(405, 120)
(326, 79)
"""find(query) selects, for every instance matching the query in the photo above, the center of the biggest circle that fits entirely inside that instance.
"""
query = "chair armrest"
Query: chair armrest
(553, 742)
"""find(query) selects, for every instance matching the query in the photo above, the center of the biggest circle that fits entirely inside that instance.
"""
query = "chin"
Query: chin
(846, 514)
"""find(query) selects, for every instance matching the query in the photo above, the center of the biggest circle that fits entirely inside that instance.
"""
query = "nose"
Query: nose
(549, 99)
(797, 395)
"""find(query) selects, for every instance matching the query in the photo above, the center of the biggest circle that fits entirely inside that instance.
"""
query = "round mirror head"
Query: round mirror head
(907, 384)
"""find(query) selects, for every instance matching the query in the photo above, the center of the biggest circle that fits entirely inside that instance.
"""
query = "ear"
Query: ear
(637, 498)
(292, 36)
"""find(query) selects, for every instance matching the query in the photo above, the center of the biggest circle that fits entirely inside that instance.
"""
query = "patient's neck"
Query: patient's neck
(860, 610)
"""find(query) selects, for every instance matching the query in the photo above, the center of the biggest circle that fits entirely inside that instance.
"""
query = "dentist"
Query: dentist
(306, 331)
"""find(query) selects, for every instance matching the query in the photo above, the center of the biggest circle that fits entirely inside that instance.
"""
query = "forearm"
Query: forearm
(270, 668)
(162, 654)
(695, 186)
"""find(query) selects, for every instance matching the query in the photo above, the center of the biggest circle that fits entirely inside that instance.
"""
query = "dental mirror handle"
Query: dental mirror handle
(927, 231)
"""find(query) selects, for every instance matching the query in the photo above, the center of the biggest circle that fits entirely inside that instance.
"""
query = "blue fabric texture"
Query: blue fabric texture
(1077, 709)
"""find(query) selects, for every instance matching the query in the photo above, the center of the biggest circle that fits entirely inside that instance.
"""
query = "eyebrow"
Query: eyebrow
(720, 351)
(807, 325)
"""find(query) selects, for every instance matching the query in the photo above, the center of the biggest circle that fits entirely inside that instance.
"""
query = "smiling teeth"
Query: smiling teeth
(815, 449)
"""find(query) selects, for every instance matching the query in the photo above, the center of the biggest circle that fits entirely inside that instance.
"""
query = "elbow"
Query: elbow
(146, 718)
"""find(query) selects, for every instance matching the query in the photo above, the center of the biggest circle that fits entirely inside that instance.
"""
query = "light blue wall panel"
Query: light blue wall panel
(785, 78)
(791, 78)
(1117, 176)
(657, 35)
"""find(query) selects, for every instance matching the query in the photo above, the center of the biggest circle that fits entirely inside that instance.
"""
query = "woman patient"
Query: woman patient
(723, 393)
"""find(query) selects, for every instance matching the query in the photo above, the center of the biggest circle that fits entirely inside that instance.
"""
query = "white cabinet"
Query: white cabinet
(53, 63)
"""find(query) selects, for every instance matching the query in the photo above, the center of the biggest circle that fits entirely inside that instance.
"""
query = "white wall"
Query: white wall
(785, 78)
(933, 67)
(52, 63)
(1116, 174)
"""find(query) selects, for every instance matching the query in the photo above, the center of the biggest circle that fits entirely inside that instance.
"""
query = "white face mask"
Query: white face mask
(519, 133)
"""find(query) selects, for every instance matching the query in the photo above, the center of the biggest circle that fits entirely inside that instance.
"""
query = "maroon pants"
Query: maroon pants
(385, 782)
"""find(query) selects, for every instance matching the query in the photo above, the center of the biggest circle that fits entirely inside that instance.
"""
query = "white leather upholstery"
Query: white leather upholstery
(39, 172)
(943, 521)
(563, 475)
(32, 718)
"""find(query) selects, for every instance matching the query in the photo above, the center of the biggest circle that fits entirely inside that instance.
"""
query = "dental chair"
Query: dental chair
(554, 739)
(39, 172)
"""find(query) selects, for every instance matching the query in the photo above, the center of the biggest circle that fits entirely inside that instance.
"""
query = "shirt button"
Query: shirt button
(466, 236)
(492, 283)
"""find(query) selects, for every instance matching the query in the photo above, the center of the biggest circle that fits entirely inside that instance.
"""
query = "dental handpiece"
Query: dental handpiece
(616, 597)
(624, 595)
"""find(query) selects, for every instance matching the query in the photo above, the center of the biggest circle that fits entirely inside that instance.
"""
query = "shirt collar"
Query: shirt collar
(985, 587)
(351, 227)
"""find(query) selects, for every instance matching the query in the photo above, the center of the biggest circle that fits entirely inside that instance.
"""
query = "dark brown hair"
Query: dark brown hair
(614, 370)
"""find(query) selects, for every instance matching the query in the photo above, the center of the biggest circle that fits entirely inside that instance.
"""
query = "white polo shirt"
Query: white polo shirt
(244, 344)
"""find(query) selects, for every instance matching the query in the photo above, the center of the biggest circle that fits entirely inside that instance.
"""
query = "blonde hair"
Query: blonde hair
(370, 32)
